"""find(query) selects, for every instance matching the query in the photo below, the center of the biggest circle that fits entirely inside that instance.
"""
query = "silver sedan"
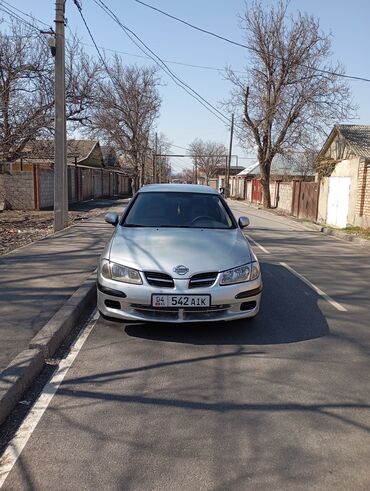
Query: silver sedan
(178, 255)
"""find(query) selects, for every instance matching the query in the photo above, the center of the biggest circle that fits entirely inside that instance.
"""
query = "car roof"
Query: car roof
(179, 188)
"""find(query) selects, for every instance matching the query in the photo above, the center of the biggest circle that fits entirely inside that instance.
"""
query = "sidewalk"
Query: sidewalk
(37, 279)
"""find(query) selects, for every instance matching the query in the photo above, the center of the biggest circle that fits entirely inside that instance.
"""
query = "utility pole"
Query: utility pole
(196, 173)
(228, 161)
(60, 165)
(155, 159)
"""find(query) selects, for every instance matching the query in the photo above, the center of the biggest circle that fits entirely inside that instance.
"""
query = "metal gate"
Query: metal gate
(256, 191)
(338, 201)
(305, 200)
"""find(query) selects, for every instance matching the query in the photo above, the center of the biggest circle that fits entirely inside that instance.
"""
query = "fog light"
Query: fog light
(112, 304)
(248, 305)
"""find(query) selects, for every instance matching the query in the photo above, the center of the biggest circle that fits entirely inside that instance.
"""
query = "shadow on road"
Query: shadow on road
(289, 314)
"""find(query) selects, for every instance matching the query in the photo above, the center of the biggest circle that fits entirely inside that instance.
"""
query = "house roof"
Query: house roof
(357, 137)
(110, 158)
(249, 170)
(80, 149)
(43, 150)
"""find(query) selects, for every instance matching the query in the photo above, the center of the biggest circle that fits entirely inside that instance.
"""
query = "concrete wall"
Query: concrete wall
(273, 189)
(213, 183)
(46, 188)
(323, 200)
(285, 196)
(16, 191)
(281, 194)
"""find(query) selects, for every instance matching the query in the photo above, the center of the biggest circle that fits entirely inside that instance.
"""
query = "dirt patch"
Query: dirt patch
(18, 228)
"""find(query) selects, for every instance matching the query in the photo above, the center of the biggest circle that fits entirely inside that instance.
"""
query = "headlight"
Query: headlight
(255, 270)
(247, 272)
(117, 272)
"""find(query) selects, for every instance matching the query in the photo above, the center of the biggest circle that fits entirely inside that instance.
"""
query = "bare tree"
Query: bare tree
(303, 163)
(27, 87)
(26, 91)
(208, 157)
(126, 108)
(83, 74)
(186, 176)
(290, 91)
(161, 170)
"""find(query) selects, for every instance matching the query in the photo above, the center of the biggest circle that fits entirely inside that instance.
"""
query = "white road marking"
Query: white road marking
(17, 444)
(316, 289)
(263, 249)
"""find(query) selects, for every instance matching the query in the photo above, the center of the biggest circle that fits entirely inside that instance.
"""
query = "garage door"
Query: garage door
(338, 201)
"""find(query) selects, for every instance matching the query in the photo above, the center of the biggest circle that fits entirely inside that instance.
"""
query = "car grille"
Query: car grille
(161, 280)
(202, 280)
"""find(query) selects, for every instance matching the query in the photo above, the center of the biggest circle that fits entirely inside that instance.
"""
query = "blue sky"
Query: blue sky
(182, 118)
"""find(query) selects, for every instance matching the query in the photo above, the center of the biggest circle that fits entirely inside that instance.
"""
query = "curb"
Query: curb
(347, 237)
(49, 338)
(22, 371)
(17, 377)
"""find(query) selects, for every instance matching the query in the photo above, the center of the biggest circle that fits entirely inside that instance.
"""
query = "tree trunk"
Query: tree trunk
(265, 181)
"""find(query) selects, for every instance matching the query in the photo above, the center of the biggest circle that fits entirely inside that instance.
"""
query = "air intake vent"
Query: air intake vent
(202, 280)
(161, 280)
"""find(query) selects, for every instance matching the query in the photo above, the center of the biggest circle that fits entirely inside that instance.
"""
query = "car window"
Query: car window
(190, 210)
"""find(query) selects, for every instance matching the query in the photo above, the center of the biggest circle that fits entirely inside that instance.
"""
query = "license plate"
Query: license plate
(181, 301)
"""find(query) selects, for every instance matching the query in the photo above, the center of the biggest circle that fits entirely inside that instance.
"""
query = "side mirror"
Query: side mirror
(111, 218)
(243, 222)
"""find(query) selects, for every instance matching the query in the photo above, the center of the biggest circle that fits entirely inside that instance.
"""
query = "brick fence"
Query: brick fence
(34, 189)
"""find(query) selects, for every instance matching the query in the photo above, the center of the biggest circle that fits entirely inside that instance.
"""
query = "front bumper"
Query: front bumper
(133, 302)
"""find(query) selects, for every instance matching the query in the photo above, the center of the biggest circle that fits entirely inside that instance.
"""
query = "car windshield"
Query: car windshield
(180, 210)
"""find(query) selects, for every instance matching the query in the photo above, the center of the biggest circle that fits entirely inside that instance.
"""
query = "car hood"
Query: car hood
(162, 249)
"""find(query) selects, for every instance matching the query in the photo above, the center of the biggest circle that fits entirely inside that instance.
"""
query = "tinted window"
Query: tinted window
(193, 210)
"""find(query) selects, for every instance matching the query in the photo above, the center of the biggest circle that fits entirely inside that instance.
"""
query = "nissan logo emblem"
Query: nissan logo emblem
(181, 270)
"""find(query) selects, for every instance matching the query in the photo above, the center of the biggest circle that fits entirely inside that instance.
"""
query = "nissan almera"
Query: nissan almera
(178, 255)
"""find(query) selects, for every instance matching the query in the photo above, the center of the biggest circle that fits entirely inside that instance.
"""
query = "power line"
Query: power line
(14, 15)
(79, 8)
(76, 2)
(162, 64)
(8, 10)
(182, 148)
(203, 67)
(78, 5)
(236, 43)
(24, 13)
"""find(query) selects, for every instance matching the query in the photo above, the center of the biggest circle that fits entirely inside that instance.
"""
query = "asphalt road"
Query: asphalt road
(281, 402)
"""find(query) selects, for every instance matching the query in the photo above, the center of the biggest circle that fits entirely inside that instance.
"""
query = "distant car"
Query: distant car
(178, 255)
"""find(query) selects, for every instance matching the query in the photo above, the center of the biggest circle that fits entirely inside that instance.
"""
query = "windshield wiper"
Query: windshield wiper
(133, 225)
